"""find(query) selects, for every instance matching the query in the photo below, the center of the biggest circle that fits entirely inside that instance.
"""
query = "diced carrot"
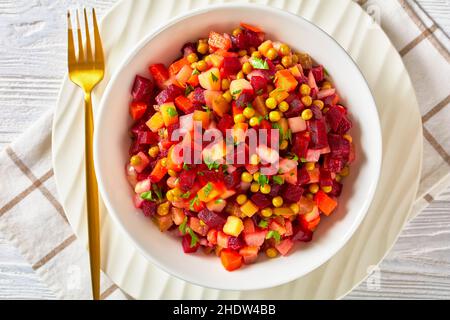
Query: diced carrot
(231, 260)
(158, 172)
(285, 80)
(169, 113)
(250, 27)
(159, 73)
(325, 203)
(250, 254)
(177, 66)
(193, 80)
(184, 104)
(137, 110)
(209, 192)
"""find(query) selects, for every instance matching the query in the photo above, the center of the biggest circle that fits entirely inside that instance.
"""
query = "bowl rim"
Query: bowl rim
(376, 157)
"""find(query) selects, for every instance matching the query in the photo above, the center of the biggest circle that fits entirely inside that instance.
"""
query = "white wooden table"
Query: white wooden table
(32, 64)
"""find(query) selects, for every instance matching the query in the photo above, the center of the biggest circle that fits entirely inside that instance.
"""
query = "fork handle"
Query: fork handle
(92, 200)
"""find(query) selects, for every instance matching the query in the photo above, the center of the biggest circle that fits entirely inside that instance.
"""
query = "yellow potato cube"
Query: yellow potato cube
(233, 226)
(249, 209)
(156, 122)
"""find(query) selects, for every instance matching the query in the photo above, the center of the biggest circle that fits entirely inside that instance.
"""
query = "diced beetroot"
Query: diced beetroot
(316, 112)
(149, 208)
(295, 107)
(274, 190)
(318, 131)
(249, 226)
(259, 84)
(337, 119)
(187, 179)
(325, 178)
(142, 89)
(255, 239)
(235, 243)
(284, 246)
(212, 219)
(232, 180)
(303, 176)
(147, 137)
(340, 147)
(333, 165)
(244, 98)
(337, 189)
(169, 94)
(289, 229)
(302, 235)
(246, 39)
(301, 143)
(170, 130)
(226, 122)
(261, 200)
(139, 126)
(318, 73)
(186, 243)
(188, 48)
(231, 66)
(292, 193)
(198, 97)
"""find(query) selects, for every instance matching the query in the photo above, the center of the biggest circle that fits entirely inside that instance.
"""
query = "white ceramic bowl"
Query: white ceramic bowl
(112, 143)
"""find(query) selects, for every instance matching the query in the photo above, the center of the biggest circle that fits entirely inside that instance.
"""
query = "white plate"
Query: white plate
(395, 98)
(111, 144)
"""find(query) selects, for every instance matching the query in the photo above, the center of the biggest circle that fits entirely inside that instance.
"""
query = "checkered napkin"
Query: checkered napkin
(34, 221)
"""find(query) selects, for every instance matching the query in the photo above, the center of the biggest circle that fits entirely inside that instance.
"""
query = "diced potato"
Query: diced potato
(203, 117)
(249, 208)
(156, 122)
(210, 80)
(169, 113)
(233, 226)
(279, 95)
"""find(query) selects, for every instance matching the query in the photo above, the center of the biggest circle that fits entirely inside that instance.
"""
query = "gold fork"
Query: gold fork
(87, 71)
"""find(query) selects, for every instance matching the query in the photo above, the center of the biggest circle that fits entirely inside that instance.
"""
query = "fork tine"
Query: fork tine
(81, 55)
(89, 56)
(99, 59)
(70, 43)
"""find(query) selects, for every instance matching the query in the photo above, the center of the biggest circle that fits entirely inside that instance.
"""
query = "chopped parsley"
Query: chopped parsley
(236, 92)
(263, 224)
(259, 63)
(214, 77)
(206, 108)
(194, 238)
(157, 191)
(218, 201)
(273, 234)
(193, 203)
(188, 90)
(172, 112)
(303, 160)
(182, 227)
(195, 72)
(186, 195)
(259, 92)
(208, 189)
(249, 105)
(186, 167)
(212, 164)
(278, 180)
(147, 196)
(263, 180)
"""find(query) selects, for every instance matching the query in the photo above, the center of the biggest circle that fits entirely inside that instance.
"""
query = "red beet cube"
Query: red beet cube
(325, 178)
(147, 137)
(149, 208)
(301, 143)
(142, 89)
(259, 84)
(186, 243)
(187, 179)
(318, 129)
(235, 243)
(261, 200)
(340, 147)
(302, 235)
(303, 176)
(318, 73)
(231, 66)
(169, 94)
(333, 165)
(226, 122)
(292, 193)
(212, 219)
